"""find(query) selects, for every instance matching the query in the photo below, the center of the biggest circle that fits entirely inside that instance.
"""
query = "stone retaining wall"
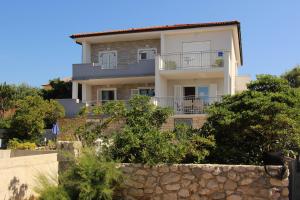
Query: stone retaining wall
(202, 182)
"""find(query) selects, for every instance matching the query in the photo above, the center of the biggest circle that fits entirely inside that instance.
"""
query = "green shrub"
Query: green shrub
(142, 141)
(17, 144)
(48, 188)
(5, 123)
(91, 177)
(265, 118)
(54, 193)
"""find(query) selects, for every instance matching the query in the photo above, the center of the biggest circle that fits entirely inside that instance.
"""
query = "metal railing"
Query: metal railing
(202, 59)
(180, 105)
(187, 104)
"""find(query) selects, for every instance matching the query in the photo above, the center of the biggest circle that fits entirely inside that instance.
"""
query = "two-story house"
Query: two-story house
(185, 66)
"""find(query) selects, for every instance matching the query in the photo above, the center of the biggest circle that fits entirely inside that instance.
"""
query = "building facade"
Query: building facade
(185, 67)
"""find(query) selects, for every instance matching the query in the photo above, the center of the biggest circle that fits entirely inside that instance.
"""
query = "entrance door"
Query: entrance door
(196, 54)
(107, 95)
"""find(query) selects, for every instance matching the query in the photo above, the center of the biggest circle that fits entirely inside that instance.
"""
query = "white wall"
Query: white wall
(219, 40)
(18, 171)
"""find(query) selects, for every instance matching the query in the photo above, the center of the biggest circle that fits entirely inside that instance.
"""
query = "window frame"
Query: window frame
(99, 91)
(108, 51)
(145, 49)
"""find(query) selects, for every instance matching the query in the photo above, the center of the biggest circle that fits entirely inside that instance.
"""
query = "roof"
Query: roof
(164, 28)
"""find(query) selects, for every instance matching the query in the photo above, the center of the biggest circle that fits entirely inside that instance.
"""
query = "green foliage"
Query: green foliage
(54, 193)
(197, 146)
(54, 111)
(17, 144)
(48, 188)
(33, 114)
(293, 76)
(142, 141)
(268, 83)
(28, 119)
(5, 123)
(91, 177)
(262, 119)
(59, 90)
(7, 96)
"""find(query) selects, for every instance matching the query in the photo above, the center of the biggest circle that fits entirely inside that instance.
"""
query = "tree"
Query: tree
(59, 90)
(54, 111)
(7, 97)
(262, 119)
(293, 76)
(33, 114)
(28, 120)
(142, 141)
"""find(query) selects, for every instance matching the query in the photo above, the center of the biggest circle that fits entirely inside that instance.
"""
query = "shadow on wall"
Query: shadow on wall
(18, 190)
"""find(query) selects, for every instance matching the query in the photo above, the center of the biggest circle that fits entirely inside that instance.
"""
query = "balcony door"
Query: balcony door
(108, 59)
(196, 54)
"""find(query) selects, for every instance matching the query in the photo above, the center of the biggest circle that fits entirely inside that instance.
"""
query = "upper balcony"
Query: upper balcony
(193, 63)
(95, 71)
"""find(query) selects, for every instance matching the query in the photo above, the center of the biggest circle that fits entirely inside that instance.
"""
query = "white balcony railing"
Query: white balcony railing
(186, 104)
(186, 60)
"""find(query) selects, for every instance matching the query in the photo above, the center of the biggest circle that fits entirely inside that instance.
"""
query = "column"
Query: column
(86, 53)
(74, 90)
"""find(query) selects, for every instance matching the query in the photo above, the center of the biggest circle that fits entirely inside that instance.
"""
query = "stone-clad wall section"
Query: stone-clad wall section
(127, 51)
(201, 182)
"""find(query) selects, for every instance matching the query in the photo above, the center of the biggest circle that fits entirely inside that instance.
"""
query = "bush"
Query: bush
(28, 120)
(5, 123)
(48, 188)
(54, 111)
(17, 144)
(142, 141)
(91, 177)
(33, 114)
(264, 118)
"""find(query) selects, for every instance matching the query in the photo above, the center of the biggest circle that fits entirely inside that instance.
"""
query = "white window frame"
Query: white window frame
(99, 91)
(109, 51)
(145, 49)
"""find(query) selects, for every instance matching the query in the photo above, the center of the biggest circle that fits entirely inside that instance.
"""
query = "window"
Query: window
(107, 94)
(146, 54)
(183, 121)
(108, 59)
(143, 91)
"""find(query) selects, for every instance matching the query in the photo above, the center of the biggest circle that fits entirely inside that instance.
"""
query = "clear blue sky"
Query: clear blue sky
(35, 46)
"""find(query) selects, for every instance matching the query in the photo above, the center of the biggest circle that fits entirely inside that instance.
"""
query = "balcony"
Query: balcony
(206, 60)
(94, 71)
(186, 104)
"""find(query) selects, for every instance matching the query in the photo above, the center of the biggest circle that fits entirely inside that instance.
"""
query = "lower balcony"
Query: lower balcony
(179, 105)
(187, 104)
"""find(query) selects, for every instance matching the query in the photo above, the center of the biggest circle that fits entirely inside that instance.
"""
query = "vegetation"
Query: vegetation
(17, 144)
(262, 119)
(141, 139)
(90, 176)
(293, 76)
(33, 114)
(59, 90)
(7, 95)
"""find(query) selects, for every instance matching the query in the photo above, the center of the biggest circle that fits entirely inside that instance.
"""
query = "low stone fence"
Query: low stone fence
(202, 182)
